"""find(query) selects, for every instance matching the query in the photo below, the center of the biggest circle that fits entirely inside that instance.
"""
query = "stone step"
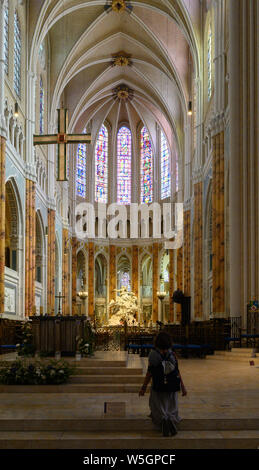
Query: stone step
(219, 357)
(243, 351)
(234, 355)
(85, 362)
(108, 371)
(239, 350)
(129, 440)
(71, 388)
(105, 379)
(125, 424)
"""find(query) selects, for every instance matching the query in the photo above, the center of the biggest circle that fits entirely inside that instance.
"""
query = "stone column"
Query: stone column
(2, 70)
(235, 157)
(218, 225)
(135, 273)
(51, 261)
(2, 159)
(112, 273)
(179, 277)
(2, 222)
(198, 278)
(74, 275)
(65, 273)
(155, 282)
(171, 285)
(30, 249)
(187, 252)
(91, 268)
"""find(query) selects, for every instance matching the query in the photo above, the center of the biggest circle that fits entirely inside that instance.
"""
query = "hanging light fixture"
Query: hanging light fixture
(16, 110)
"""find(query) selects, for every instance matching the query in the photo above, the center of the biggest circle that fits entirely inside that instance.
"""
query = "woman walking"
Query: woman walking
(166, 382)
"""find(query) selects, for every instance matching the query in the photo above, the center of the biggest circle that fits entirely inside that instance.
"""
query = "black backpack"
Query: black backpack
(165, 382)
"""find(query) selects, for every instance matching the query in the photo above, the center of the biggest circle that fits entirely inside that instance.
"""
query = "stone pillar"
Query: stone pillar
(243, 154)
(51, 261)
(91, 267)
(65, 273)
(2, 223)
(171, 285)
(2, 159)
(135, 273)
(2, 70)
(74, 275)
(187, 252)
(198, 278)
(235, 158)
(218, 227)
(30, 241)
(155, 282)
(112, 273)
(179, 277)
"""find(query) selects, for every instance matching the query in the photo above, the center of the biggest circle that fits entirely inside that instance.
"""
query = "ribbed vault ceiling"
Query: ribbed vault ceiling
(161, 38)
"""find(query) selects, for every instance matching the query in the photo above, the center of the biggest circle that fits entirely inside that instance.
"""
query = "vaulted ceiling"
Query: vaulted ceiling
(160, 38)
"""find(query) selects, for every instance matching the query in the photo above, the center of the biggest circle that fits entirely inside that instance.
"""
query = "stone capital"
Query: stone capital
(217, 124)
(197, 175)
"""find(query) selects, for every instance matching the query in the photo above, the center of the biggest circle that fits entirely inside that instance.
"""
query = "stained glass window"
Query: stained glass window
(41, 106)
(125, 280)
(209, 60)
(17, 55)
(101, 166)
(165, 168)
(6, 37)
(124, 144)
(146, 167)
(81, 170)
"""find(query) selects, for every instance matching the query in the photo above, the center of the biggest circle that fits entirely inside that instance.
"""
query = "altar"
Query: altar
(57, 334)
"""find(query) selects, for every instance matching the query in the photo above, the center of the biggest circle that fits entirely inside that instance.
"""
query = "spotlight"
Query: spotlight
(190, 108)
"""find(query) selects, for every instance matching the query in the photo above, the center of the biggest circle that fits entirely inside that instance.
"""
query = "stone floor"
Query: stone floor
(215, 390)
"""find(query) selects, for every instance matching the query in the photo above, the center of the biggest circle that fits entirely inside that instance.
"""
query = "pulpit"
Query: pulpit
(57, 334)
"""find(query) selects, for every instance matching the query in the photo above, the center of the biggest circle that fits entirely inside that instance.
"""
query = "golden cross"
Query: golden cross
(62, 139)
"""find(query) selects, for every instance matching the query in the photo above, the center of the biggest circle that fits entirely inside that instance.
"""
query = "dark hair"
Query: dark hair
(163, 341)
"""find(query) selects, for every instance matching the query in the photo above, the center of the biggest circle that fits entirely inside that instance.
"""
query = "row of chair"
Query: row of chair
(184, 349)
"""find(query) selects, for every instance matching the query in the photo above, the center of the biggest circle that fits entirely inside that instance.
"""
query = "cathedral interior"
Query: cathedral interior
(161, 101)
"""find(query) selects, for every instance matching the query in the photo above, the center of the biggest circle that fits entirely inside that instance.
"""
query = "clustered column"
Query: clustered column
(135, 273)
(30, 240)
(51, 261)
(155, 282)
(91, 268)
(112, 272)
(65, 273)
(198, 277)
(187, 253)
(218, 220)
(179, 280)
(74, 275)
(2, 223)
(171, 285)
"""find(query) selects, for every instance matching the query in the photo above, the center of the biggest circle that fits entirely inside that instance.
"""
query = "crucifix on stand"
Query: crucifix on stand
(59, 297)
(62, 139)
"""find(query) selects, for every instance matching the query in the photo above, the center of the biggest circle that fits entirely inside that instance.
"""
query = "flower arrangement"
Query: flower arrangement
(36, 373)
(26, 347)
(83, 347)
